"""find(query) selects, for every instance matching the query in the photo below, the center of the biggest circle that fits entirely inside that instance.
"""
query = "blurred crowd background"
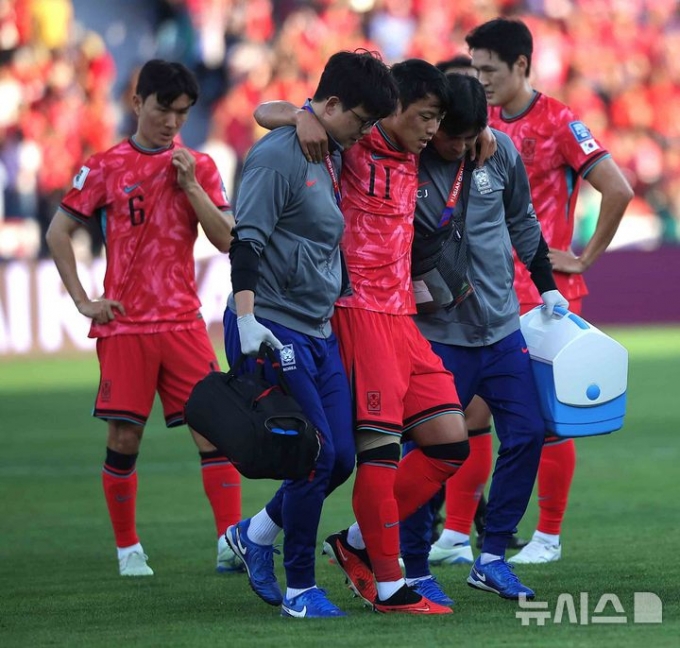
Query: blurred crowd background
(68, 67)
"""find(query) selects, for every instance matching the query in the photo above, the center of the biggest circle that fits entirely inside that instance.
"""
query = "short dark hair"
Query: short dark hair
(416, 79)
(167, 80)
(359, 78)
(509, 39)
(458, 61)
(467, 110)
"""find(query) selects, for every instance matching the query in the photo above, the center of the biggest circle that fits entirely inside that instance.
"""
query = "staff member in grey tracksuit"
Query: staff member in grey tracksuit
(480, 340)
(286, 272)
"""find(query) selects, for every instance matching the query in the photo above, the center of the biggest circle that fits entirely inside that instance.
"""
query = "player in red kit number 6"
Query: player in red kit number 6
(558, 151)
(149, 196)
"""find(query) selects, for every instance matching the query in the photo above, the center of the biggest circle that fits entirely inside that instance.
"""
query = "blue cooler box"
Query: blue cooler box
(581, 373)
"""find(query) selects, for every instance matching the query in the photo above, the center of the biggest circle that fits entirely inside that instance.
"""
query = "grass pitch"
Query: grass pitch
(59, 584)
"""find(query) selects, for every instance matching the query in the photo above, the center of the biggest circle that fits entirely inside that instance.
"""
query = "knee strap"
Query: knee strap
(448, 451)
(390, 453)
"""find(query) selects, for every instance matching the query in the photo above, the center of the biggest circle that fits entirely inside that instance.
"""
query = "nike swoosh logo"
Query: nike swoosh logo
(342, 553)
(389, 525)
(225, 485)
(424, 608)
(131, 187)
(241, 548)
(295, 613)
(525, 350)
(310, 183)
(375, 156)
(123, 498)
(480, 577)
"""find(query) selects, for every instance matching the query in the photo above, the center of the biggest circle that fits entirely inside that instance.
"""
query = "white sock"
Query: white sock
(387, 588)
(124, 552)
(450, 538)
(485, 558)
(291, 592)
(262, 529)
(355, 538)
(546, 538)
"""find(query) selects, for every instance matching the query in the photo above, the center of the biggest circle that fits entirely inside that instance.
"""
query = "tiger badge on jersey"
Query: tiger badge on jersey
(373, 403)
(528, 150)
(482, 181)
(79, 179)
(288, 357)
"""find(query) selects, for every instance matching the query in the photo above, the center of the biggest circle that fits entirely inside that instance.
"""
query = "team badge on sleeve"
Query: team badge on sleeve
(584, 137)
(580, 131)
(79, 179)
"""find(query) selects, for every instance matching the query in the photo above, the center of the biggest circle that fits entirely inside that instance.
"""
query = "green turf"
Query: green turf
(58, 574)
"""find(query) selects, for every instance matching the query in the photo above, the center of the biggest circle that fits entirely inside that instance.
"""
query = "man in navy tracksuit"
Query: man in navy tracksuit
(480, 340)
(286, 276)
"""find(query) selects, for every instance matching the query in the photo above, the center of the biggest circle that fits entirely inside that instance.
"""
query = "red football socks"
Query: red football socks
(465, 488)
(419, 478)
(377, 514)
(222, 486)
(120, 491)
(555, 473)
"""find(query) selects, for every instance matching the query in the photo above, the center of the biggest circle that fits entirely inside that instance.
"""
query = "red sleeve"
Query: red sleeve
(576, 143)
(209, 178)
(88, 190)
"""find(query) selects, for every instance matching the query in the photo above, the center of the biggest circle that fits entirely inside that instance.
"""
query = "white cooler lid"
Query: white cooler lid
(589, 367)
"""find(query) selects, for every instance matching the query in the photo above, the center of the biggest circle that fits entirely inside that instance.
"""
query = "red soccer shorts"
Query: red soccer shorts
(135, 367)
(397, 380)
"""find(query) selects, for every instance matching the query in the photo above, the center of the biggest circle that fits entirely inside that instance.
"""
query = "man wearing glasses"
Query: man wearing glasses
(286, 271)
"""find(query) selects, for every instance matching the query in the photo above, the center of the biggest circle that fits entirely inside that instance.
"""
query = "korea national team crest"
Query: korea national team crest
(106, 391)
(373, 402)
(528, 150)
(288, 357)
(482, 181)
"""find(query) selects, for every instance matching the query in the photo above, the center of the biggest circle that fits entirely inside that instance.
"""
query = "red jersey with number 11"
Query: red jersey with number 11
(379, 184)
(149, 228)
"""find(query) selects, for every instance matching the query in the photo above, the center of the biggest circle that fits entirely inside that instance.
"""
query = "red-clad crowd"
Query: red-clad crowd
(56, 109)
(615, 62)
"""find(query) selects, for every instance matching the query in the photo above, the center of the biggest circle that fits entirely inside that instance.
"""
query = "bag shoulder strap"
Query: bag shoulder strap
(468, 167)
(234, 369)
(267, 353)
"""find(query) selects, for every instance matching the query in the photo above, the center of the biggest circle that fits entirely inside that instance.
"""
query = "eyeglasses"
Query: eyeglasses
(365, 122)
